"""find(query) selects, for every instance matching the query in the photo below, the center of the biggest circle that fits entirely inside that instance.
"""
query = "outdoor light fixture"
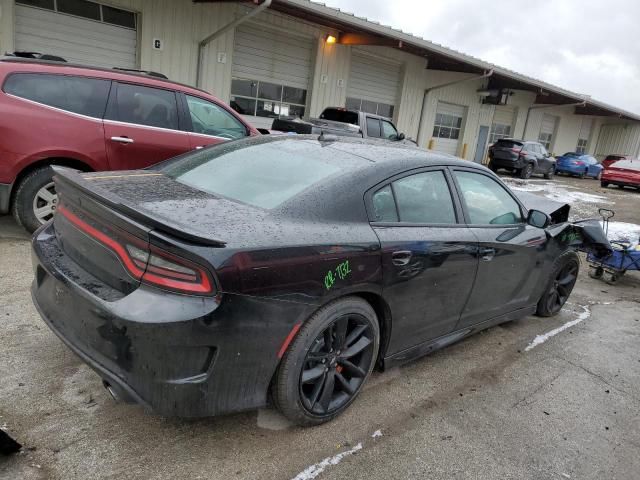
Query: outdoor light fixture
(331, 39)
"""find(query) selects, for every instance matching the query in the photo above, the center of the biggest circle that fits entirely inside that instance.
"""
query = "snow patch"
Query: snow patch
(546, 336)
(626, 232)
(314, 470)
(377, 433)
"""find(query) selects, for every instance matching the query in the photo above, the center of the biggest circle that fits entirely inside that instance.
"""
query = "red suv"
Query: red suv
(88, 118)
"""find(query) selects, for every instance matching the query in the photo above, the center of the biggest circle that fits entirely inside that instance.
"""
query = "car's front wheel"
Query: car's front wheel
(327, 363)
(35, 200)
(561, 282)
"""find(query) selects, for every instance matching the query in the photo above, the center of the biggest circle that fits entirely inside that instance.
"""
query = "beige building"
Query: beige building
(295, 57)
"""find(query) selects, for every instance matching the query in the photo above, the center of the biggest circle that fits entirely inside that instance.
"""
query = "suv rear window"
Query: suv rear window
(86, 96)
(508, 143)
(263, 175)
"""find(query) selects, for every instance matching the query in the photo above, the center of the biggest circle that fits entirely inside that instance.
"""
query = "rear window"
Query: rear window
(338, 115)
(87, 96)
(627, 164)
(614, 157)
(572, 154)
(508, 143)
(263, 175)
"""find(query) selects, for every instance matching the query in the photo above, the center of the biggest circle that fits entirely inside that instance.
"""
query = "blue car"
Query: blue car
(578, 164)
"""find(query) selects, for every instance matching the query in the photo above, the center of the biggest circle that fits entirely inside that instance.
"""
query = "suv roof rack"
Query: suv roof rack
(145, 72)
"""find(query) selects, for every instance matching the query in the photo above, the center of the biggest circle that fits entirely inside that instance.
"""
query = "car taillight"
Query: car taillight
(578, 162)
(148, 263)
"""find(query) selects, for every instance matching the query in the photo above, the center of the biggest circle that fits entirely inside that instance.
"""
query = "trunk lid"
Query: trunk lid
(507, 149)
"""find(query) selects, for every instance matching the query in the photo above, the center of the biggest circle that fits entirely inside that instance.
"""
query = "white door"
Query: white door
(547, 131)
(447, 128)
(103, 36)
(373, 85)
(271, 73)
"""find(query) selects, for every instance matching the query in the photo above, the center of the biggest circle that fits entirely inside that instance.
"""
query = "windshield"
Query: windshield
(263, 175)
(339, 115)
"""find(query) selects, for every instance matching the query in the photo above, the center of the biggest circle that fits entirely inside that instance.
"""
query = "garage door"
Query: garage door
(584, 134)
(447, 129)
(502, 126)
(373, 85)
(79, 31)
(547, 130)
(271, 71)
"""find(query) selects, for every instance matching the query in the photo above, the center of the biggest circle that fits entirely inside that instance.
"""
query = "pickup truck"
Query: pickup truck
(343, 122)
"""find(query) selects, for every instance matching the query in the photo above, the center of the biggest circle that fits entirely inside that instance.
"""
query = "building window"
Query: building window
(447, 126)
(367, 106)
(86, 9)
(264, 99)
(582, 146)
(545, 139)
(498, 131)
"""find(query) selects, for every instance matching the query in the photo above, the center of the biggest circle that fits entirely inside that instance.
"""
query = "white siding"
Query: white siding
(618, 138)
(78, 40)
(373, 80)
(6, 26)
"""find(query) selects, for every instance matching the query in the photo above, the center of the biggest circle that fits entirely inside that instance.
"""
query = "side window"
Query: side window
(388, 130)
(420, 198)
(487, 202)
(373, 127)
(211, 119)
(543, 150)
(384, 206)
(86, 96)
(149, 106)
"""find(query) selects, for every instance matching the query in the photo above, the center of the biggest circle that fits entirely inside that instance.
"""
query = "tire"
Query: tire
(560, 285)
(35, 200)
(549, 175)
(583, 174)
(604, 184)
(526, 171)
(305, 403)
(493, 168)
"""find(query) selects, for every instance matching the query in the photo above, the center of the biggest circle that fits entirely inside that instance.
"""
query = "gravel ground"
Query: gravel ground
(487, 407)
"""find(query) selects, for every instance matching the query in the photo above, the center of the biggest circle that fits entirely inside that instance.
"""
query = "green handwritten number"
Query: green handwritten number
(341, 272)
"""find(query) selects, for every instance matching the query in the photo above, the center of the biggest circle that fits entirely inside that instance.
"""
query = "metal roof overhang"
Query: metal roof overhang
(359, 30)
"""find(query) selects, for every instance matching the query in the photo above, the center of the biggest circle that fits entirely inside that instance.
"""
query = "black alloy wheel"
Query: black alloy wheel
(336, 365)
(327, 363)
(561, 285)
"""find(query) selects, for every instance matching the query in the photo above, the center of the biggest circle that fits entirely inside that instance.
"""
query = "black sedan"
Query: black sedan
(287, 268)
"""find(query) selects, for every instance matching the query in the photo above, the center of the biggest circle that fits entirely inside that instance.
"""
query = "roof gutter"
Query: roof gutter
(539, 107)
(427, 91)
(204, 42)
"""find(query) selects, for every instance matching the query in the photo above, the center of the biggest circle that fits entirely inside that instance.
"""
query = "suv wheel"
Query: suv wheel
(526, 171)
(35, 200)
(492, 167)
(550, 173)
(327, 363)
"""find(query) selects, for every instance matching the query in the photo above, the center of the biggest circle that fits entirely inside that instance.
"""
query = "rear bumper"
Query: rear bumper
(570, 169)
(621, 181)
(5, 195)
(508, 163)
(174, 354)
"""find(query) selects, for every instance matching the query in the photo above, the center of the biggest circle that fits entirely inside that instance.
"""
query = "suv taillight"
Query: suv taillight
(148, 263)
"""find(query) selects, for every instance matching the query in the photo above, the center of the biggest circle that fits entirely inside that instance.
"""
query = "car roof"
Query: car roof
(151, 78)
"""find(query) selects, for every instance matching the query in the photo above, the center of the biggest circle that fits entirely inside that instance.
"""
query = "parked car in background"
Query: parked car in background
(581, 165)
(523, 158)
(56, 113)
(343, 122)
(622, 173)
(288, 267)
(610, 159)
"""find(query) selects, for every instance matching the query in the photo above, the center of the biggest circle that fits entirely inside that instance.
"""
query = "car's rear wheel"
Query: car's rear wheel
(35, 200)
(492, 167)
(563, 278)
(327, 363)
(526, 171)
(604, 184)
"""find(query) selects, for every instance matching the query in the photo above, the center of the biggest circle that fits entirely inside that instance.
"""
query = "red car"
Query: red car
(610, 159)
(54, 113)
(623, 173)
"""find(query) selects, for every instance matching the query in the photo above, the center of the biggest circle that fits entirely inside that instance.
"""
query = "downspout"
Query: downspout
(538, 107)
(204, 42)
(444, 85)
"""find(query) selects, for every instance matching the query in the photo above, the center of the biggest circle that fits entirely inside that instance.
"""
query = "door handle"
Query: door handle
(122, 139)
(401, 258)
(487, 254)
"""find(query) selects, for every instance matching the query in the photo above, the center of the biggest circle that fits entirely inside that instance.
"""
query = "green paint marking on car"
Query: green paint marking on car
(341, 272)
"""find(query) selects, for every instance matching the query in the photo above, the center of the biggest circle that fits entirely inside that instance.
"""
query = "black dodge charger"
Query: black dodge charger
(287, 268)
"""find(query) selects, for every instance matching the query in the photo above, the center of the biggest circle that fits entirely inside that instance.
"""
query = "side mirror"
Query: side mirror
(401, 136)
(538, 219)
